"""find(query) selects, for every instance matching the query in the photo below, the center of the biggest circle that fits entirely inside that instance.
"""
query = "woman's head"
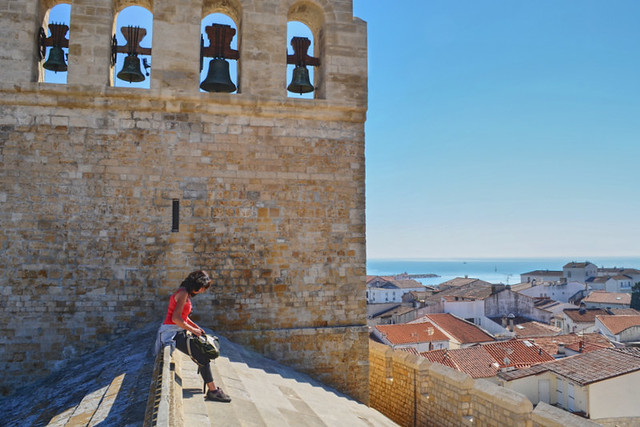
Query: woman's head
(196, 282)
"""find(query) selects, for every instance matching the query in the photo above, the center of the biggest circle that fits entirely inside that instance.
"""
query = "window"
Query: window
(559, 394)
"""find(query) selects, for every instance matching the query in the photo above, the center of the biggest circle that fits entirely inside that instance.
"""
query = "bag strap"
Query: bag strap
(189, 338)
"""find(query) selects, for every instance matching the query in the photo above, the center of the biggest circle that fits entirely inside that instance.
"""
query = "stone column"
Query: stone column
(263, 54)
(18, 30)
(90, 43)
(176, 45)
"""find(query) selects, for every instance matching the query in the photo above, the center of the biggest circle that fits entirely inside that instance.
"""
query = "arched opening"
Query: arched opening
(131, 48)
(305, 28)
(219, 54)
(299, 80)
(54, 44)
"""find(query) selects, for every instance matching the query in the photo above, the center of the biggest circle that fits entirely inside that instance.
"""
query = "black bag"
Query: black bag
(206, 344)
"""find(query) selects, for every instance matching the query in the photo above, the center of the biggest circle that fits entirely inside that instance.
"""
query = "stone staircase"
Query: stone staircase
(265, 393)
(111, 387)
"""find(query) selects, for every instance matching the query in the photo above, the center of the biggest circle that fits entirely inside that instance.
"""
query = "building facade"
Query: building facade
(110, 196)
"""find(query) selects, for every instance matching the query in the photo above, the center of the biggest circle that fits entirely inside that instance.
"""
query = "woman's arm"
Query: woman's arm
(193, 324)
(181, 299)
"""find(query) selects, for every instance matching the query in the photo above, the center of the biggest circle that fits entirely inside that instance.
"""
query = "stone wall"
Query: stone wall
(271, 192)
(412, 391)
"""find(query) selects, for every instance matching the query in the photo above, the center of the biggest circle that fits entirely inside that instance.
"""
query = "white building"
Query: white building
(556, 291)
(385, 289)
(579, 271)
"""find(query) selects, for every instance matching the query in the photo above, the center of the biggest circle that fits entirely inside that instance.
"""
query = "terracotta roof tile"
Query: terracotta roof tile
(550, 344)
(517, 353)
(543, 273)
(617, 324)
(602, 297)
(587, 368)
(475, 361)
(408, 333)
(463, 331)
(584, 316)
(535, 329)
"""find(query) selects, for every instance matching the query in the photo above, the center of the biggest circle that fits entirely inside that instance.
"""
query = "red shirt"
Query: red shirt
(172, 306)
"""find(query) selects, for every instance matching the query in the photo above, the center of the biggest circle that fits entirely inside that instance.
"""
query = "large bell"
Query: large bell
(218, 78)
(131, 70)
(56, 61)
(300, 81)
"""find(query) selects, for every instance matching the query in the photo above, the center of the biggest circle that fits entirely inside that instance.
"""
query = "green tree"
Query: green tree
(635, 296)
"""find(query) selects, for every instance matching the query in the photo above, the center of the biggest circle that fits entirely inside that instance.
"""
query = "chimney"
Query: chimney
(504, 322)
(511, 321)
(561, 348)
(581, 348)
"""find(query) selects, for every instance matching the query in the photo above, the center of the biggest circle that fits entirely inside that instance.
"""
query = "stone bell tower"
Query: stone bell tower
(111, 195)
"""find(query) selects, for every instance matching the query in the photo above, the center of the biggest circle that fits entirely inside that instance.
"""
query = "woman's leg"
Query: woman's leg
(204, 368)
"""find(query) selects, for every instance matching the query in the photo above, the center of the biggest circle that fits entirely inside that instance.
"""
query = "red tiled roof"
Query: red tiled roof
(411, 333)
(517, 353)
(474, 361)
(550, 344)
(617, 324)
(585, 316)
(602, 297)
(463, 331)
(587, 368)
(577, 264)
(534, 329)
(543, 273)
(582, 347)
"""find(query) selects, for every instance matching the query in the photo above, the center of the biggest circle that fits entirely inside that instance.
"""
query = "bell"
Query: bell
(131, 70)
(56, 61)
(300, 81)
(218, 78)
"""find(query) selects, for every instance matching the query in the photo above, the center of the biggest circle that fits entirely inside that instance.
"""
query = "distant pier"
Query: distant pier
(414, 276)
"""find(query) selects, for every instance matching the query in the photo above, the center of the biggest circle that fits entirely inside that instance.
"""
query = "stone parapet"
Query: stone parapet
(412, 391)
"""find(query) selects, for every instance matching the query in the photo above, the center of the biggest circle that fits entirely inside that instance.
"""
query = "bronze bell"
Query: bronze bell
(56, 61)
(131, 70)
(218, 78)
(300, 81)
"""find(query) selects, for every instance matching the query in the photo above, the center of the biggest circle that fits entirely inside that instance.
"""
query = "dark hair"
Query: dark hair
(195, 281)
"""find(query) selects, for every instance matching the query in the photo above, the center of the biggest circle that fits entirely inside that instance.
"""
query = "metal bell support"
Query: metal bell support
(131, 70)
(218, 77)
(300, 82)
(56, 61)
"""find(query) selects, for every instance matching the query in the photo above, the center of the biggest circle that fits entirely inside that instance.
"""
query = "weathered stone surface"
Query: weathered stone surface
(271, 192)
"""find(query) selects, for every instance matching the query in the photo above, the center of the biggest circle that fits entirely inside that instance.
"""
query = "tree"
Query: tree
(635, 296)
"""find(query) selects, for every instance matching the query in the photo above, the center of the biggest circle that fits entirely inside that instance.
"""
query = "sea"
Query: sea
(492, 270)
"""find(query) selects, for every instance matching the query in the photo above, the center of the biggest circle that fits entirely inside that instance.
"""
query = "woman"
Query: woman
(177, 323)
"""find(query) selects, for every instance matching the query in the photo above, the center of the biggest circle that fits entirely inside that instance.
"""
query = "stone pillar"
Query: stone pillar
(176, 45)
(263, 54)
(90, 43)
(18, 30)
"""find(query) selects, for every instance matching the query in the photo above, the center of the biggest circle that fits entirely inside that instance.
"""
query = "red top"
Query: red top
(172, 306)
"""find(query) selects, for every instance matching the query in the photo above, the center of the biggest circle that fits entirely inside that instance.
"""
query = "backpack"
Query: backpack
(209, 345)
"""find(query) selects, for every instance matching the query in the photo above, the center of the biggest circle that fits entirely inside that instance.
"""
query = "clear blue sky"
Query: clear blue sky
(503, 128)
